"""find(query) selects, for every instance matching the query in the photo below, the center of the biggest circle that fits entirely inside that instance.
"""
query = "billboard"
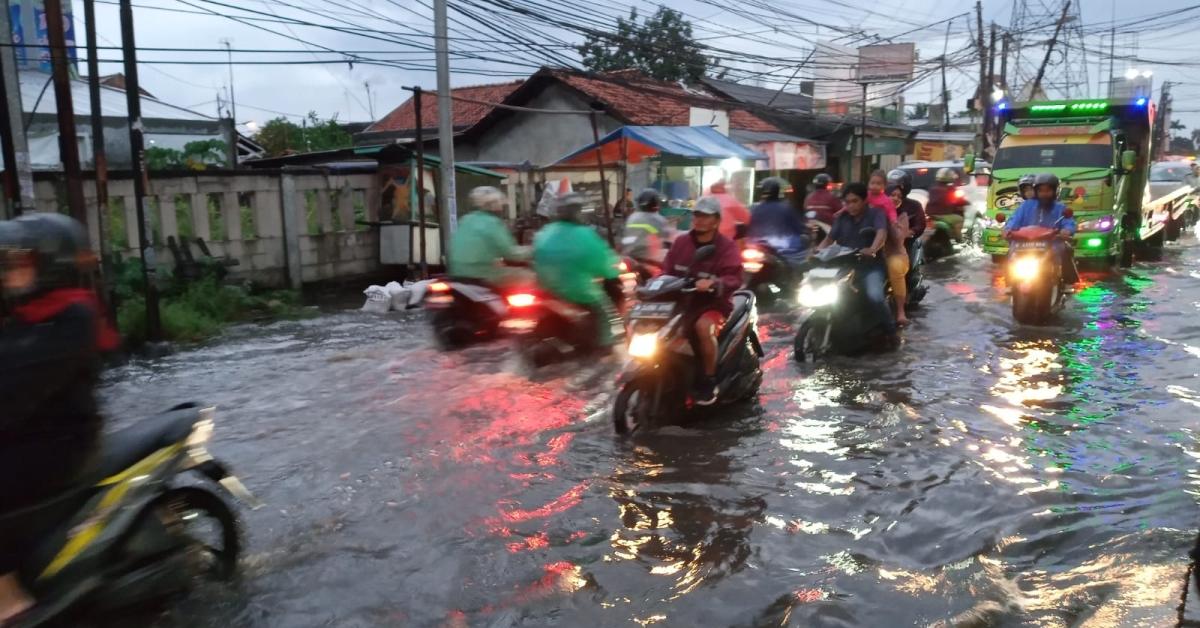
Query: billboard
(29, 17)
(886, 62)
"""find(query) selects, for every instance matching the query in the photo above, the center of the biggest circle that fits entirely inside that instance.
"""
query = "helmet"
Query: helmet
(901, 179)
(774, 188)
(707, 205)
(56, 244)
(649, 199)
(1046, 178)
(569, 207)
(947, 175)
(822, 181)
(1025, 180)
(487, 198)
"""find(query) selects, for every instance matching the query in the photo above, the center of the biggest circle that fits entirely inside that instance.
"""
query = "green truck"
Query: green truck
(1100, 150)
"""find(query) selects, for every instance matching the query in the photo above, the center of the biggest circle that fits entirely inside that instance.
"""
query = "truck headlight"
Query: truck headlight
(818, 296)
(643, 346)
(1103, 223)
(1026, 268)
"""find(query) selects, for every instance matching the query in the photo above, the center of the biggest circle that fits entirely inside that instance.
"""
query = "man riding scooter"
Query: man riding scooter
(822, 200)
(52, 333)
(574, 264)
(482, 244)
(720, 276)
(865, 229)
(646, 231)
(946, 206)
(775, 222)
(1045, 210)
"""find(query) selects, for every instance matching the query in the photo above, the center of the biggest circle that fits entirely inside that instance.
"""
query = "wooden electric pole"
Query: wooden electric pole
(68, 144)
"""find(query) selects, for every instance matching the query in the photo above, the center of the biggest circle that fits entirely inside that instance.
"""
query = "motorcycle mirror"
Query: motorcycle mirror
(1068, 213)
(810, 215)
(1000, 218)
(703, 253)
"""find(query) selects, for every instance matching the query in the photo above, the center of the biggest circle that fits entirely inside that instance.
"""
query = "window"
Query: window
(1170, 172)
(1054, 156)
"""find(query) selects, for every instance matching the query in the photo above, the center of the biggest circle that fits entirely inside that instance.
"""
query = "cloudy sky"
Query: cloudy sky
(302, 32)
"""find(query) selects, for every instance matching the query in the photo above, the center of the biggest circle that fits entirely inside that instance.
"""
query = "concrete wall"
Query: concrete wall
(283, 228)
(541, 138)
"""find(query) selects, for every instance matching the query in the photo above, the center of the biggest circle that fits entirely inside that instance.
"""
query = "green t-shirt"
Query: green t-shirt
(569, 258)
(479, 245)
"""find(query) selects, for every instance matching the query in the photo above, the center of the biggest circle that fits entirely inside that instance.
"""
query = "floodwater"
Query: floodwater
(984, 475)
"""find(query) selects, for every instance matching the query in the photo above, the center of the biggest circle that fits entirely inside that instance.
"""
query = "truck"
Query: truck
(1100, 149)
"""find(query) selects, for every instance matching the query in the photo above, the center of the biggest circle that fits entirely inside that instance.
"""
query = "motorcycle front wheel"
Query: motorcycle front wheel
(209, 527)
(631, 409)
(810, 343)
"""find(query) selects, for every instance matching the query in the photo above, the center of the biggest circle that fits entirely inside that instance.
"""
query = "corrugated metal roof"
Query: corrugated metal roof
(112, 101)
(762, 96)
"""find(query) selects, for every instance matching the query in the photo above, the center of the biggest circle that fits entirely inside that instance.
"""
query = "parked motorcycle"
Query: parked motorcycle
(836, 317)
(464, 311)
(1035, 273)
(657, 381)
(137, 534)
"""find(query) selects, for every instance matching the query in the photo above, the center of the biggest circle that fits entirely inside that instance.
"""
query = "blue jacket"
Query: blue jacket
(1030, 214)
(778, 224)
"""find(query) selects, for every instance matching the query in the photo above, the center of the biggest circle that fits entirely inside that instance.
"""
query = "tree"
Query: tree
(920, 111)
(1182, 145)
(283, 137)
(662, 46)
(1176, 125)
(198, 155)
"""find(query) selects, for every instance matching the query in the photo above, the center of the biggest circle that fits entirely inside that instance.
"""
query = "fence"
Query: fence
(284, 228)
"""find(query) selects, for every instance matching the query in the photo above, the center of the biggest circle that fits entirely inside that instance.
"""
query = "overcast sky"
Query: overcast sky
(263, 92)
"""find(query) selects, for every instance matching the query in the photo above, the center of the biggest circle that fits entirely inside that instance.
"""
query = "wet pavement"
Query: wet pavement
(986, 474)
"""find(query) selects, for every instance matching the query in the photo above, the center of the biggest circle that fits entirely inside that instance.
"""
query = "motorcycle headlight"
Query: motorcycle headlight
(643, 346)
(818, 296)
(1026, 268)
(1103, 223)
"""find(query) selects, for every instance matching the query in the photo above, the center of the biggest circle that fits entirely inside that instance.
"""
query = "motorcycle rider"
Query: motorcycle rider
(646, 230)
(1025, 186)
(482, 243)
(1046, 211)
(821, 200)
(51, 336)
(774, 221)
(574, 264)
(720, 275)
(733, 213)
(943, 205)
(908, 210)
(865, 228)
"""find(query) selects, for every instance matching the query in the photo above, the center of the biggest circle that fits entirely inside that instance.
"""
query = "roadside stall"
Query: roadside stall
(682, 162)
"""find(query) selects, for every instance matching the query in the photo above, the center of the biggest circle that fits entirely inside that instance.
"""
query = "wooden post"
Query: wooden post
(420, 180)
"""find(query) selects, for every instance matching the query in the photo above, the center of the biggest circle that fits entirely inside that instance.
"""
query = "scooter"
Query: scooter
(942, 237)
(1035, 273)
(915, 279)
(769, 275)
(136, 534)
(836, 316)
(656, 383)
(464, 311)
(563, 331)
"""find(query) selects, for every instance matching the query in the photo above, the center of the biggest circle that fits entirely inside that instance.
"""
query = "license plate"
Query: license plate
(1030, 245)
(652, 310)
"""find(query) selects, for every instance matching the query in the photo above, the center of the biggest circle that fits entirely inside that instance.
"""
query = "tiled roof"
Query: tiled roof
(648, 102)
(466, 114)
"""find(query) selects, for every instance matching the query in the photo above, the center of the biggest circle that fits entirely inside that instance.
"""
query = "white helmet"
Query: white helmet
(488, 198)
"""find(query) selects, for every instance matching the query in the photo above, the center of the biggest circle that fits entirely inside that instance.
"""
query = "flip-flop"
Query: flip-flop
(903, 323)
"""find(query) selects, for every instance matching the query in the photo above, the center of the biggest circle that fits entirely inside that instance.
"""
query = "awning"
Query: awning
(635, 143)
(783, 151)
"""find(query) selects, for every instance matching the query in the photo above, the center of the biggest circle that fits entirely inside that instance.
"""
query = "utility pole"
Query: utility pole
(945, 93)
(18, 175)
(1037, 80)
(370, 103)
(420, 178)
(233, 132)
(99, 157)
(862, 135)
(1004, 43)
(1163, 133)
(989, 88)
(981, 96)
(68, 144)
(137, 151)
(449, 221)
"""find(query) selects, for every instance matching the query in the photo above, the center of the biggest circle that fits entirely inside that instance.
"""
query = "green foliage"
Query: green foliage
(661, 46)
(198, 155)
(283, 137)
(193, 311)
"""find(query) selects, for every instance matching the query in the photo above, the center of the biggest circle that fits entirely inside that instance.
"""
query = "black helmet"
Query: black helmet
(774, 188)
(56, 244)
(649, 200)
(822, 181)
(901, 179)
(1026, 179)
(570, 208)
(1046, 178)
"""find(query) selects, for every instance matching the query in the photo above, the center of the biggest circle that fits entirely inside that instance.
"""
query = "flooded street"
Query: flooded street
(984, 473)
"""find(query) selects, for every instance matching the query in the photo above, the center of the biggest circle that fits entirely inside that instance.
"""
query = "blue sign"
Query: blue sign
(18, 34)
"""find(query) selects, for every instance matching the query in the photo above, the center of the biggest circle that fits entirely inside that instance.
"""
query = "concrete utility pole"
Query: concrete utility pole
(981, 96)
(989, 120)
(233, 132)
(137, 152)
(18, 173)
(99, 157)
(945, 93)
(449, 221)
(1037, 80)
(1163, 133)
(68, 144)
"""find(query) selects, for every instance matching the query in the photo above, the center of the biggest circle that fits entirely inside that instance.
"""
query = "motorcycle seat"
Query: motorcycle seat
(742, 301)
(121, 449)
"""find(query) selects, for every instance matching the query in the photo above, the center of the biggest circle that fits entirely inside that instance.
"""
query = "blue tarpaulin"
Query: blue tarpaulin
(632, 144)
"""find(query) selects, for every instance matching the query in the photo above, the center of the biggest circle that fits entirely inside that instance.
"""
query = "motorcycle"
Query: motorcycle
(464, 311)
(1035, 273)
(563, 331)
(942, 237)
(837, 318)
(769, 275)
(655, 384)
(136, 534)
(915, 279)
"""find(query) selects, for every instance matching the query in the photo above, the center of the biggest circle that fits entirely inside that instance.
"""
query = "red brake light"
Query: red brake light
(439, 286)
(521, 299)
(1000, 218)
(959, 194)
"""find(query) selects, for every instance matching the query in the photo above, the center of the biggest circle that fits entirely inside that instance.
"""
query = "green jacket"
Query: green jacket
(480, 244)
(569, 258)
